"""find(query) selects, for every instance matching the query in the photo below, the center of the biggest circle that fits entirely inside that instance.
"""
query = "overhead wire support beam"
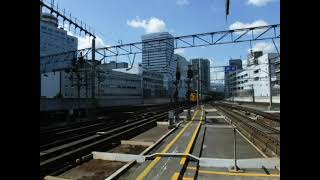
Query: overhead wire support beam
(225, 34)
(197, 36)
(262, 33)
(246, 32)
(184, 42)
(110, 51)
(62, 15)
(103, 55)
(137, 47)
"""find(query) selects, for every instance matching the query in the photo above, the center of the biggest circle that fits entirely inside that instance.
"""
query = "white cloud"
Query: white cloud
(266, 47)
(240, 25)
(259, 3)
(179, 51)
(86, 42)
(152, 25)
(182, 2)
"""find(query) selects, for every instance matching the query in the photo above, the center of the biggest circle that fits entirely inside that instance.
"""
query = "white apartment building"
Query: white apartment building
(53, 40)
(254, 77)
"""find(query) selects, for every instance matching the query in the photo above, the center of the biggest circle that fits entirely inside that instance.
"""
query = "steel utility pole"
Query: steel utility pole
(93, 80)
(93, 69)
(176, 93)
(60, 83)
(198, 85)
(253, 100)
(142, 102)
(190, 75)
(270, 85)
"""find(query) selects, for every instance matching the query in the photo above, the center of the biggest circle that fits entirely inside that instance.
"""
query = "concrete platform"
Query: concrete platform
(223, 174)
(209, 146)
(165, 167)
(214, 139)
(152, 135)
(218, 143)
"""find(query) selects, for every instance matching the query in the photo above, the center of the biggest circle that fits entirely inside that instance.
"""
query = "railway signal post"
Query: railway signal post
(190, 75)
(176, 94)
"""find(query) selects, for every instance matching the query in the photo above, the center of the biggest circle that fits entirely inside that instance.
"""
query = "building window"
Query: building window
(256, 71)
(256, 78)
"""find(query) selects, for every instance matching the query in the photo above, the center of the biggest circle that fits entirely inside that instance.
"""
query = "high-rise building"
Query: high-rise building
(182, 63)
(157, 56)
(53, 40)
(236, 62)
(232, 62)
(205, 74)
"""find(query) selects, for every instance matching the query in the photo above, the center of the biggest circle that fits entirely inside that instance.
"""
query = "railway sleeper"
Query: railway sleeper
(53, 165)
(89, 140)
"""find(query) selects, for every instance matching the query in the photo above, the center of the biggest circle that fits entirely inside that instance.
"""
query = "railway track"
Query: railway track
(266, 137)
(273, 117)
(71, 152)
(55, 136)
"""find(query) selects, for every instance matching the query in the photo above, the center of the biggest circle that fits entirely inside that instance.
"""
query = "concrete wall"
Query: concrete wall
(50, 104)
(156, 100)
(275, 99)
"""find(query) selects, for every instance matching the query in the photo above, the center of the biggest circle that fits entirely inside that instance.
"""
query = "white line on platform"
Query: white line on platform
(210, 110)
(162, 123)
(242, 163)
(264, 155)
(117, 157)
(217, 126)
(185, 110)
(160, 140)
(272, 111)
(136, 143)
(217, 117)
(55, 178)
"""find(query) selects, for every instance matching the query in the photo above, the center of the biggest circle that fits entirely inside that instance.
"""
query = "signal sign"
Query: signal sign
(230, 68)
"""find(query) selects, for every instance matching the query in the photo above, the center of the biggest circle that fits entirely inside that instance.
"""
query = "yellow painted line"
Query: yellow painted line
(146, 171)
(176, 177)
(193, 138)
(234, 174)
(188, 178)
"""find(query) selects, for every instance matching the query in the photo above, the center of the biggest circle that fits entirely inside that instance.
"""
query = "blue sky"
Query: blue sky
(127, 20)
